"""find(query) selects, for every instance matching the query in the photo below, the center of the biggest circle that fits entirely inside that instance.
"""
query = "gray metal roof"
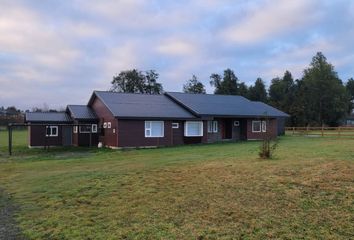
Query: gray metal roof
(224, 105)
(47, 117)
(82, 112)
(130, 105)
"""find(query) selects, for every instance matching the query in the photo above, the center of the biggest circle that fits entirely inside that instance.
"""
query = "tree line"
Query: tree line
(318, 98)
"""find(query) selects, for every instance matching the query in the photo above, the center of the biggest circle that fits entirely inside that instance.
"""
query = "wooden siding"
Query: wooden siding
(108, 136)
(37, 137)
(272, 129)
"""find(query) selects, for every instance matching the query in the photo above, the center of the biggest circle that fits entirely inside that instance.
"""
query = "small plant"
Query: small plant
(268, 148)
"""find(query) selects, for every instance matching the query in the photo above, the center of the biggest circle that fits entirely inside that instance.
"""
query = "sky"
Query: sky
(56, 53)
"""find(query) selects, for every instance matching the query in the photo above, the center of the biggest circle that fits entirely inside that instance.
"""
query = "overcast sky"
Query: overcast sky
(58, 52)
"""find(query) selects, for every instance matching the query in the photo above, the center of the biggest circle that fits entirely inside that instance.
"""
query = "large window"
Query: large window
(193, 129)
(212, 126)
(52, 131)
(259, 126)
(85, 129)
(154, 128)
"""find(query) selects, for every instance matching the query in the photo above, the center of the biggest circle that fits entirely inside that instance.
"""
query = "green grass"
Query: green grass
(217, 191)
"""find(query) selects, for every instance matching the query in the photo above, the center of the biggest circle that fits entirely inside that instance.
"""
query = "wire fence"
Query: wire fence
(334, 132)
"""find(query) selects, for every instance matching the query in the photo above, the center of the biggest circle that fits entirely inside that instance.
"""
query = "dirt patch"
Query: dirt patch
(8, 227)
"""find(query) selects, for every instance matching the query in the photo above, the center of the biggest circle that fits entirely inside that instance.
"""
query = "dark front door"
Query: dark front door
(67, 136)
(227, 129)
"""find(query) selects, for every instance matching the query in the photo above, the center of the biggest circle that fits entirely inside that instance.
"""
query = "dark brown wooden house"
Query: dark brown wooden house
(119, 120)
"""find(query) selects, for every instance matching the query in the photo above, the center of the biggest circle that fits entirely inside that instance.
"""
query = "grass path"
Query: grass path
(218, 191)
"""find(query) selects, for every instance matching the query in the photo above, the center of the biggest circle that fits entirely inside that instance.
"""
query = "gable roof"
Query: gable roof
(58, 117)
(224, 105)
(82, 112)
(131, 105)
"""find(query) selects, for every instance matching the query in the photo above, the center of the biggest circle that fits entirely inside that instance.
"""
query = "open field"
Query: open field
(217, 191)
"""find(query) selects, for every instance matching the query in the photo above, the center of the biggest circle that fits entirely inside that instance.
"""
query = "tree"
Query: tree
(323, 92)
(243, 89)
(258, 92)
(151, 85)
(194, 86)
(350, 91)
(227, 85)
(135, 81)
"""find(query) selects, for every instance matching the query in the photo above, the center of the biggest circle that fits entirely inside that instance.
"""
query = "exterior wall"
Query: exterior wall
(108, 136)
(281, 126)
(37, 137)
(83, 139)
(272, 130)
(131, 133)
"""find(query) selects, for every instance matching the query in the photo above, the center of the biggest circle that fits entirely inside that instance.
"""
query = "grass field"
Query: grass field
(217, 191)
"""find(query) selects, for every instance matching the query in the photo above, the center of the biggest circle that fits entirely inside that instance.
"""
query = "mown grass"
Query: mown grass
(217, 191)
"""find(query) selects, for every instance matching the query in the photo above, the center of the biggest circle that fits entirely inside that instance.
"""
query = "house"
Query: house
(119, 120)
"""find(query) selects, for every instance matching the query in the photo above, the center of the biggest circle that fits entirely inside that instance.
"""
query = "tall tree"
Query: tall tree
(135, 81)
(325, 96)
(350, 90)
(194, 86)
(258, 92)
(281, 92)
(243, 89)
(227, 85)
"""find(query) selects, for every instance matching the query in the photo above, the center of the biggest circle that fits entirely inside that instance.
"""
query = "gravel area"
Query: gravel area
(9, 229)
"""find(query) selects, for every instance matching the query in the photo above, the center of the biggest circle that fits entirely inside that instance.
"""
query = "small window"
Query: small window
(175, 125)
(264, 126)
(104, 125)
(109, 125)
(85, 129)
(94, 128)
(52, 131)
(212, 126)
(236, 123)
(154, 128)
(256, 126)
(215, 126)
(75, 129)
(193, 129)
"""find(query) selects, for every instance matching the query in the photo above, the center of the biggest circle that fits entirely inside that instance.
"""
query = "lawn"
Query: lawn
(216, 191)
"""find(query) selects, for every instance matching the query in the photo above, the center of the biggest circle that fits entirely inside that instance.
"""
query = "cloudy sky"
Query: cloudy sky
(57, 52)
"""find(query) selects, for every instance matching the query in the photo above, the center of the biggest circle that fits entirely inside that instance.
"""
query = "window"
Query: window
(52, 131)
(75, 129)
(85, 129)
(94, 128)
(109, 125)
(175, 125)
(212, 126)
(193, 129)
(264, 126)
(256, 126)
(236, 123)
(154, 128)
(104, 125)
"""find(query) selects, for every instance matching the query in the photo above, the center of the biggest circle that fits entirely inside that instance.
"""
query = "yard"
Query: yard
(217, 191)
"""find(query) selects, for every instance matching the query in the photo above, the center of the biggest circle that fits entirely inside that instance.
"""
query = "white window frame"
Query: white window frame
(175, 125)
(215, 126)
(109, 125)
(104, 125)
(210, 126)
(264, 126)
(51, 131)
(186, 134)
(94, 128)
(260, 126)
(236, 123)
(75, 129)
(149, 128)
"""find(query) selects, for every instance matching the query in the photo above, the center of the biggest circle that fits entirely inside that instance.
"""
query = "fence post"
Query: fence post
(338, 131)
(10, 139)
(293, 130)
(322, 130)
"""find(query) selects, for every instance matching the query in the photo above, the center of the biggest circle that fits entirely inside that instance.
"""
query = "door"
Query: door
(227, 129)
(67, 136)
